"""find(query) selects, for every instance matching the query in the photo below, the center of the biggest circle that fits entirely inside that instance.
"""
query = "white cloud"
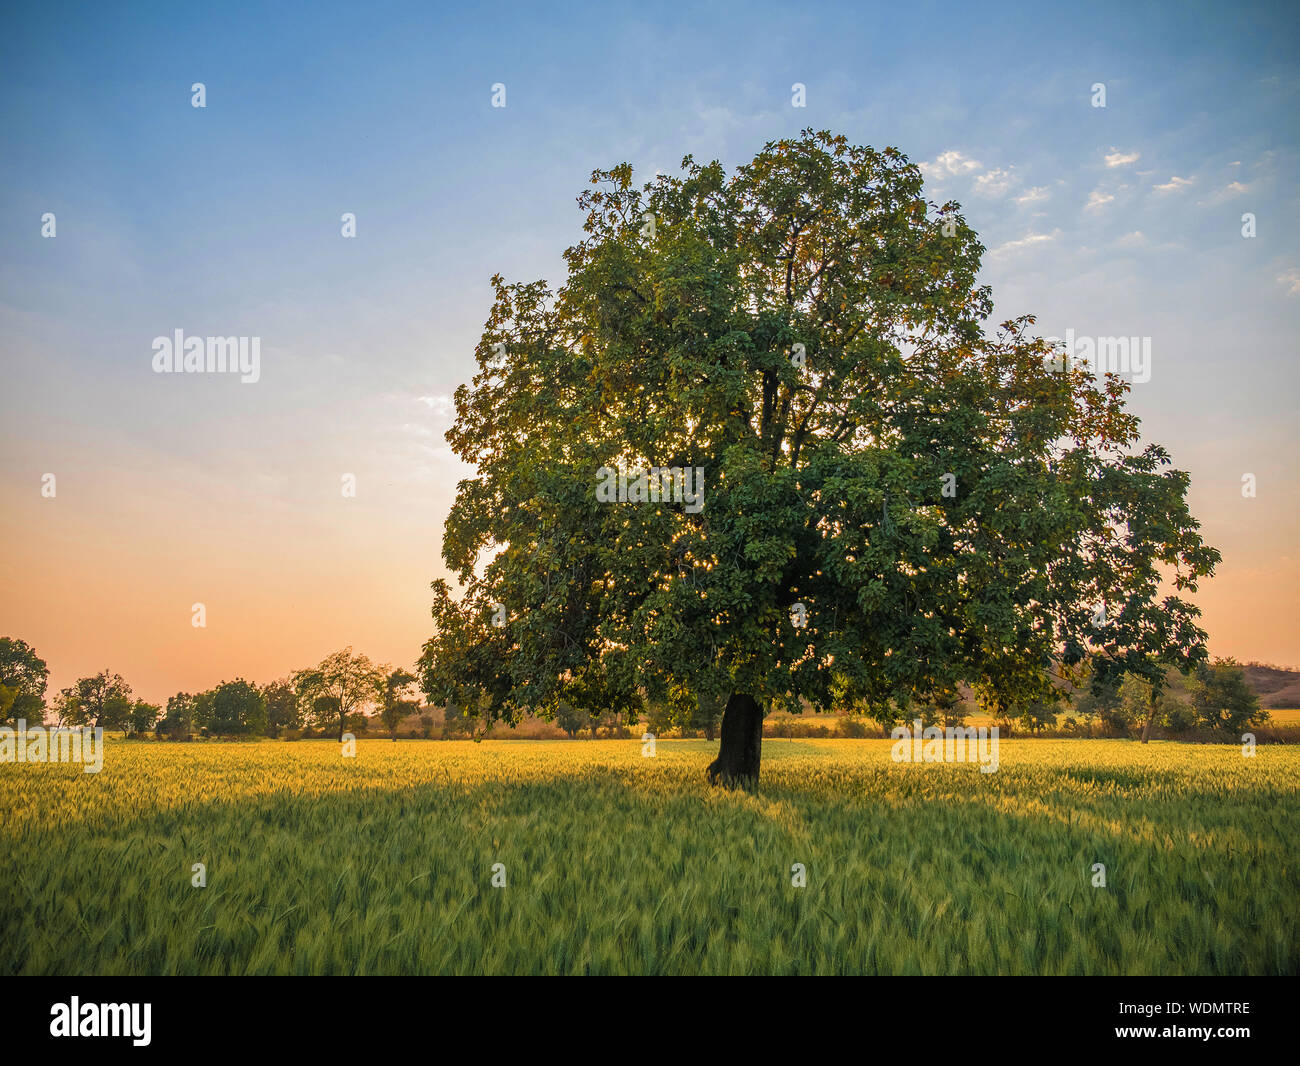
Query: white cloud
(995, 182)
(1132, 240)
(1038, 192)
(1118, 159)
(1174, 184)
(1098, 199)
(1291, 279)
(949, 163)
(1027, 241)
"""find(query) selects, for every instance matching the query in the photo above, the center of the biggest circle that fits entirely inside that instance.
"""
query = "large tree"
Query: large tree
(897, 499)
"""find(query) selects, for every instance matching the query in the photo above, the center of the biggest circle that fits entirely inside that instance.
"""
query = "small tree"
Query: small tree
(177, 722)
(283, 710)
(706, 714)
(455, 721)
(203, 712)
(394, 708)
(238, 709)
(24, 674)
(948, 704)
(1038, 715)
(1223, 700)
(350, 680)
(569, 718)
(102, 701)
(1176, 712)
(142, 717)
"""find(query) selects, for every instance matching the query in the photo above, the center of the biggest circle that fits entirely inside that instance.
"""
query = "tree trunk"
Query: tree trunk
(1151, 716)
(742, 744)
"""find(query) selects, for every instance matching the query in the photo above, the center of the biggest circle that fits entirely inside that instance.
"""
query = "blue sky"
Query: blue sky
(1123, 220)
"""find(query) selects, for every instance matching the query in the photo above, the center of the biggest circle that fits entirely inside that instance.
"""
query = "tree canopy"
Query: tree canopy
(102, 701)
(343, 684)
(23, 677)
(897, 497)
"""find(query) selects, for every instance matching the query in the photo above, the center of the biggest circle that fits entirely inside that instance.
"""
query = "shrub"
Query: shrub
(794, 729)
(1113, 721)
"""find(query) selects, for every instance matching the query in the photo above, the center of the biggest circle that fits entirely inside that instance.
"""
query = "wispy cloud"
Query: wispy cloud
(1030, 196)
(1029, 240)
(996, 182)
(1291, 279)
(1175, 184)
(1230, 190)
(1097, 198)
(1119, 159)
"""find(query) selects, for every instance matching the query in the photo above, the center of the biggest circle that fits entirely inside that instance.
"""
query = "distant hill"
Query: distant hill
(1275, 686)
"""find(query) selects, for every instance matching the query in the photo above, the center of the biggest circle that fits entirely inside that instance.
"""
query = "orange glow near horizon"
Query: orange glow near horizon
(95, 582)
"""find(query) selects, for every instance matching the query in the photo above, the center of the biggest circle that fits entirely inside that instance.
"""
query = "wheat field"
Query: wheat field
(617, 863)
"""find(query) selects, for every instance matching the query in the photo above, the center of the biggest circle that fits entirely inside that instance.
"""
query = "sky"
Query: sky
(172, 490)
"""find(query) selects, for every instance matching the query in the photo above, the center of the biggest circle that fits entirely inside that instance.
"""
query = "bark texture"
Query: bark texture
(741, 749)
(1151, 717)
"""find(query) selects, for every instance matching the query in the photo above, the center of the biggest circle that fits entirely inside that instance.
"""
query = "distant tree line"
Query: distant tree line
(347, 692)
(1211, 697)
